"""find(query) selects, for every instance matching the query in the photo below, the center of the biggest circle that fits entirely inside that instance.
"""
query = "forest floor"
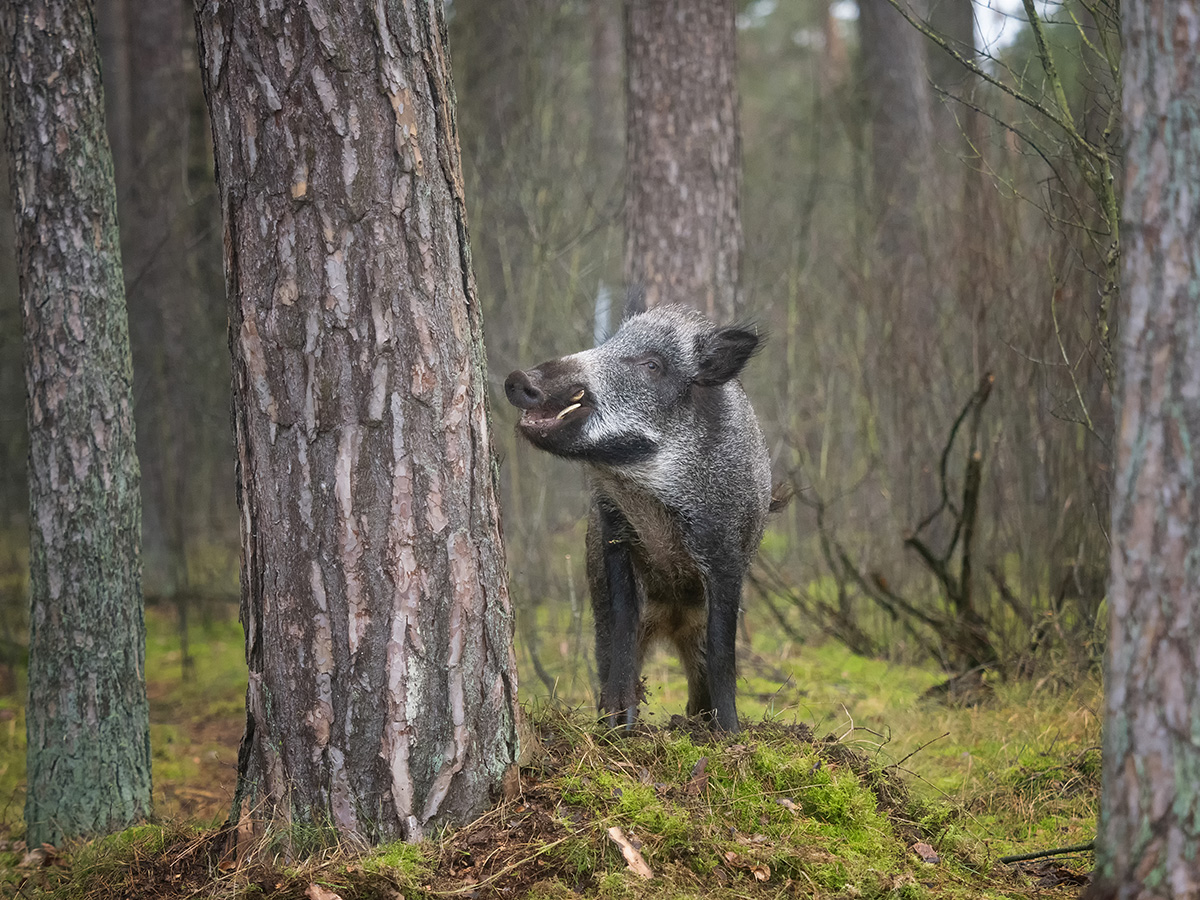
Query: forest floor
(845, 784)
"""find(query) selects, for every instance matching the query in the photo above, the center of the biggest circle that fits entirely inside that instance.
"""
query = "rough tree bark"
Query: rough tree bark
(382, 688)
(683, 229)
(87, 718)
(1149, 821)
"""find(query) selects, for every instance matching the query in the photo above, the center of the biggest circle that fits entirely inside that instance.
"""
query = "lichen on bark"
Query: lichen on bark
(1150, 807)
(87, 718)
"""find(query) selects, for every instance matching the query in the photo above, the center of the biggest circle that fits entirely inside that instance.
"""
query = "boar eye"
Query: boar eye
(651, 363)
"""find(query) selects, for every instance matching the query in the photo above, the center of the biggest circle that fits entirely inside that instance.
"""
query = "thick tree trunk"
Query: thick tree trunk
(1150, 808)
(374, 597)
(87, 718)
(683, 230)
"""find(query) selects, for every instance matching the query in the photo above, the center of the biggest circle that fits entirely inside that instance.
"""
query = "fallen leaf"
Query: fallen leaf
(788, 805)
(699, 778)
(510, 784)
(760, 871)
(926, 852)
(316, 892)
(45, 855)
(633, 859)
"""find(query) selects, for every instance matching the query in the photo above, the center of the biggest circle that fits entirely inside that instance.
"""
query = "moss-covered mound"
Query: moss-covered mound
(667, 812)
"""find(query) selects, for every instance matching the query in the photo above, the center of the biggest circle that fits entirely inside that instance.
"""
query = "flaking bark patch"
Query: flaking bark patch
(367, 489)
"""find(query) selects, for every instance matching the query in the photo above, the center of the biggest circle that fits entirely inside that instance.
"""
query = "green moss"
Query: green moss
(407, 861)
(551, 890)
(616, 886)
(580, 854)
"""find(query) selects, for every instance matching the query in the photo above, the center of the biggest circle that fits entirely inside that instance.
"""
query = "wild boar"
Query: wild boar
(681, 488)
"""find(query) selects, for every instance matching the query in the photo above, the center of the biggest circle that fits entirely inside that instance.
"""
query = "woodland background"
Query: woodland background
(910, 229)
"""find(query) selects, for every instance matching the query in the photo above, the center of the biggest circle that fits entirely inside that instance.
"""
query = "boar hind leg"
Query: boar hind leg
(615, 608)
(691, 648)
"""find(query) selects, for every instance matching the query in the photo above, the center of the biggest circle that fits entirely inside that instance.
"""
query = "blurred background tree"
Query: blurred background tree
(895, 260)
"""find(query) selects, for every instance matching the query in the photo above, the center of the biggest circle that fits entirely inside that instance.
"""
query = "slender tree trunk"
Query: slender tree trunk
(606, 133)
(501, 83)
(955, 21)
(87, 718)
(14, 436)
(1150, 806)
(683, 228)
(382, 684)
(904, 354)
(112, 34)
(896, 89)
(162, 296)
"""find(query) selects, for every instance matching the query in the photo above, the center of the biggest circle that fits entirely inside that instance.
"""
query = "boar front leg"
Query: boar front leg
(616, 610)
(724, 595)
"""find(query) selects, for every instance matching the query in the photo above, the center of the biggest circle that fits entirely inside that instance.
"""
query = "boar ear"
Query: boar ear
(723, 353)
(635, 300)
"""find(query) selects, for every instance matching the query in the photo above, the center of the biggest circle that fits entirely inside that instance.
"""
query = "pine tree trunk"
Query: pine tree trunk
(683, 228)
(87, 717)
(382, 686)
(1149, 823)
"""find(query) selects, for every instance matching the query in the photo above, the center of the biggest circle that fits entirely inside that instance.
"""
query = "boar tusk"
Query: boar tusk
(571, 408)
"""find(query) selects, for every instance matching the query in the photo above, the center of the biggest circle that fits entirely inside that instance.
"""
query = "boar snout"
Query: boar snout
(522, 392)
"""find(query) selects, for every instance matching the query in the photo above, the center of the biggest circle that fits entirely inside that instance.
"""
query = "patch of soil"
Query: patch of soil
(185, 867)
(205, 792)
(513, 847)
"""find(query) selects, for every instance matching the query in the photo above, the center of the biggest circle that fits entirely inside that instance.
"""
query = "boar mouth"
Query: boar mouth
(549, 417)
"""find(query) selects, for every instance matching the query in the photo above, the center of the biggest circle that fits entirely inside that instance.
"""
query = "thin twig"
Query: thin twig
(1067, 125)
(1057, 851)
(901, 762)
